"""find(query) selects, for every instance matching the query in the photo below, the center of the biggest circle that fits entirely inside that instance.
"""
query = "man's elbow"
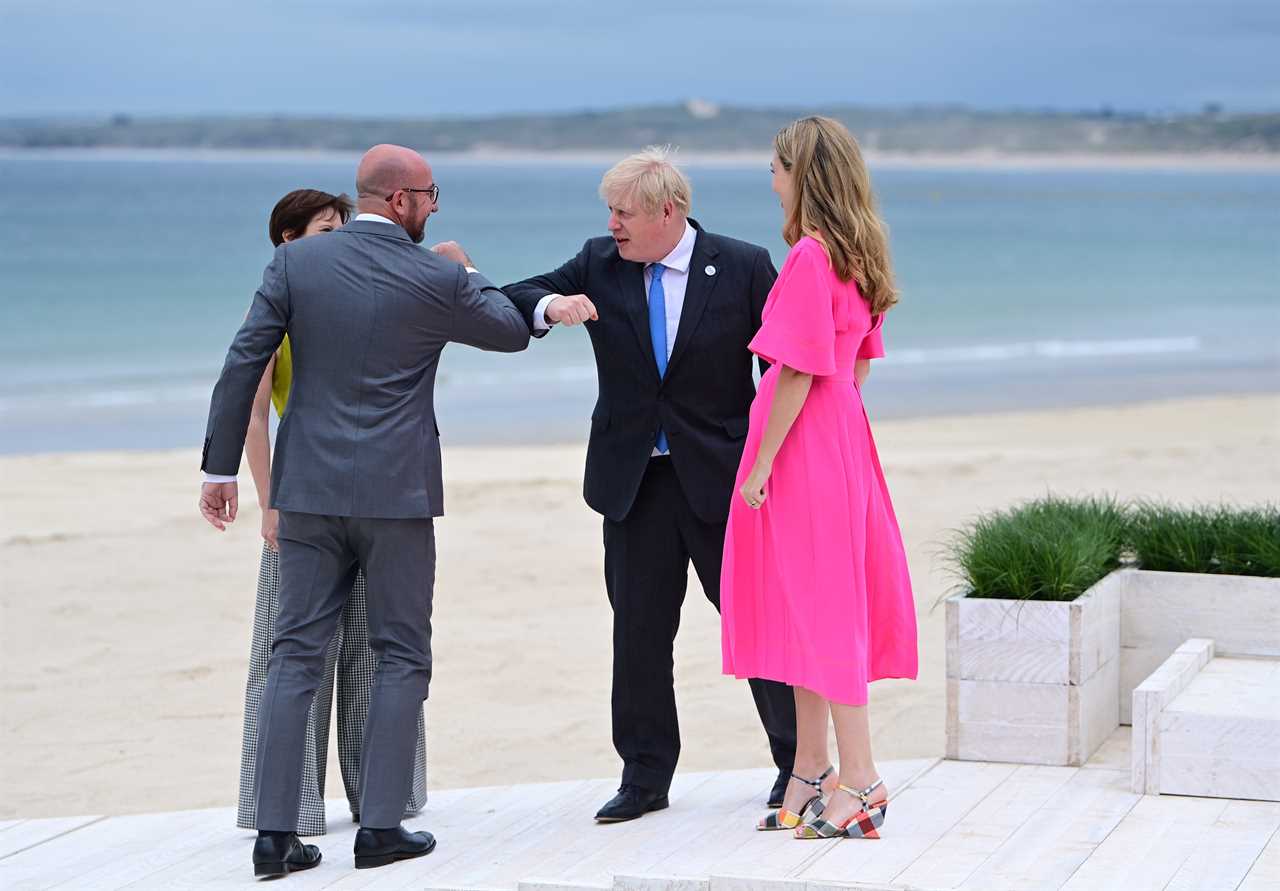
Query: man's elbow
(516, 340)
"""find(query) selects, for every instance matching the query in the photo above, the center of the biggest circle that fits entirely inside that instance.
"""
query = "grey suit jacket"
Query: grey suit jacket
(367, 313)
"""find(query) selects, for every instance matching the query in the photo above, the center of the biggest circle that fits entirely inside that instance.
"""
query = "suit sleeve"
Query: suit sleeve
(258, 338)
(763, 275)
(484, 318)
(570, 278)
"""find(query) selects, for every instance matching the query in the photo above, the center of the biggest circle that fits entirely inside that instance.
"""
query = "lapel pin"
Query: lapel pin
(710, 270)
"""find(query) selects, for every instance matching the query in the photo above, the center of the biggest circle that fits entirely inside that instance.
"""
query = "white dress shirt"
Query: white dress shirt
(675, 280)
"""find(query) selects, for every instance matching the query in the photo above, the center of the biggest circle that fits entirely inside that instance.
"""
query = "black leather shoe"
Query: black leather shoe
(631, 802)
(779, 788)
(378, 847)
(281, 853)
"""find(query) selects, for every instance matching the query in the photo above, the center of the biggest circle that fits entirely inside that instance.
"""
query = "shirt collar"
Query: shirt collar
(374, 218)
(682, 254)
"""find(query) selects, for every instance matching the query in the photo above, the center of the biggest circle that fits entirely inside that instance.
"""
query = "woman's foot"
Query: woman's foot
(842, 806)
(802, 800)
(799, 793)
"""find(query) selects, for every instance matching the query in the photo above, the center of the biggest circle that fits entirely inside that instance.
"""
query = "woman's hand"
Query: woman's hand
(270, 526)
(753, 487)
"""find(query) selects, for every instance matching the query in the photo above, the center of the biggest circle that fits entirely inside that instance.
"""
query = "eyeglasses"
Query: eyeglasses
(432, 190)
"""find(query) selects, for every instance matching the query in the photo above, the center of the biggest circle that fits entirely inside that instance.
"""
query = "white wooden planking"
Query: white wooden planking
(1163, 609)
(927, 810)
(1095, 628)
(959, 824)
(1151, 698)
(1229, 847)
(1146, 850)
(1160, 610)
(1114, 753)
(1264, 874)
(1010, 640)
(967, 845)
(1033, 682)
(596, 853)
(706, 841)
(1059, 837)
(473, 840)
(750, 852)
(1093, 712)
(1209, 727)
(1004, 721)
(659, 883)
(24, 834)
(1223, 757)
(688, 794)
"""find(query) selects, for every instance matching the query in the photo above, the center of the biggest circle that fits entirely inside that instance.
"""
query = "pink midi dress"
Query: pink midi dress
(814, 590)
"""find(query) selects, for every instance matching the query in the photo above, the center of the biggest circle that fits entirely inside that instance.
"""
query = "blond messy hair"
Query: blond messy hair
(834, 204)
(647, 179)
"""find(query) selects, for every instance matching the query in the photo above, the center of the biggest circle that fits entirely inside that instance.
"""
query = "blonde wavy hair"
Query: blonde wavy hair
(834, 204)
(650, 178)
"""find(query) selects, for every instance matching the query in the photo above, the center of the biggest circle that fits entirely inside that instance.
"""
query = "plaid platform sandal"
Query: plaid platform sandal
(865, 823)
(812, 810)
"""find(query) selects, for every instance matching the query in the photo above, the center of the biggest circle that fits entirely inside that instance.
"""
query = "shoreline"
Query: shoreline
(570, 430)
(1208, 162)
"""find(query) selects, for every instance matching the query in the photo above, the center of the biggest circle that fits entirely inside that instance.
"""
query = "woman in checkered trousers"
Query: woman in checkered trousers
(300, 214)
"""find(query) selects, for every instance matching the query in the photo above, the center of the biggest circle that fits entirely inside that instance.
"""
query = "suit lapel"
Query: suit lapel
(631, 287)
(697, 292)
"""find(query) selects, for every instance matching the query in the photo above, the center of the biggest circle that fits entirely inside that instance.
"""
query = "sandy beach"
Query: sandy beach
(126, 620)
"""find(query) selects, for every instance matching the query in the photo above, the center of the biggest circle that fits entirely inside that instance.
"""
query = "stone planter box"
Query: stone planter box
(1034, 682)
(1161, 610)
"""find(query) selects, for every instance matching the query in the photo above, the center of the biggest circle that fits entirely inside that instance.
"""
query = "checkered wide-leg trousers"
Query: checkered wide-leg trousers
(353, 663)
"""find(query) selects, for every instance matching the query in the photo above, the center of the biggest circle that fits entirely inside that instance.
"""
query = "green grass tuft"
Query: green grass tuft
(1048, 549)
(1220, 540)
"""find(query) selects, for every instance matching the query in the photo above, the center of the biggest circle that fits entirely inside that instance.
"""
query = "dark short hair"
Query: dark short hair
(295, 210)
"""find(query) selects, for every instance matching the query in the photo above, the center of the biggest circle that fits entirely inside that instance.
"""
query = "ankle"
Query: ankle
(859, 776)
(810, 768)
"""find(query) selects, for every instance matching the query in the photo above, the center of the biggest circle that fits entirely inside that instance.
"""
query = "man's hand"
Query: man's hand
(271, 528)
(454, 252)
(571, 309)
(218, 504)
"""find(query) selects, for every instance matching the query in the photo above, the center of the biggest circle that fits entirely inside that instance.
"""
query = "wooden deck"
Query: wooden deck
(952, 824)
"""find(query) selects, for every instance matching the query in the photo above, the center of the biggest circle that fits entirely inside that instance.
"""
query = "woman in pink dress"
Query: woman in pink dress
(815, 591)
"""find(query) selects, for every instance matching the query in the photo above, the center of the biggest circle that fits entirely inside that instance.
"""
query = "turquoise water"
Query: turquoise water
(122, 282)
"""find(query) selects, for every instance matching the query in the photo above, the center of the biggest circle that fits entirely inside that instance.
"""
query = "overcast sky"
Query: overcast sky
(395, 57)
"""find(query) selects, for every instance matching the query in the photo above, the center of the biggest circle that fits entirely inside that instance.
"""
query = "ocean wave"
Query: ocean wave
(106, 394)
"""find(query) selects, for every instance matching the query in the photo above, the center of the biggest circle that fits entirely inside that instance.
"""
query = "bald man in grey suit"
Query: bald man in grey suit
(356, 478)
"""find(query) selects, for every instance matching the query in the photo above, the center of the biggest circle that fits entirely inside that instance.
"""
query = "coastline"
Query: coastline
(1208, 162)
(124, 643)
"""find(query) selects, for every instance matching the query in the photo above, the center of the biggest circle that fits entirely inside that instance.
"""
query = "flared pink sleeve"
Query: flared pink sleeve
(872, 346)
(799, 328)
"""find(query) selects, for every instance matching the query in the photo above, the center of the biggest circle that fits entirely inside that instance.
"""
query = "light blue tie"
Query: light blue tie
(658, 331)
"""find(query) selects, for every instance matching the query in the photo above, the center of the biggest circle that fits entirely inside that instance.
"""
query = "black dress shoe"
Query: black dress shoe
(779, 789)
(631, 801)
(378, 847)
(280, 853)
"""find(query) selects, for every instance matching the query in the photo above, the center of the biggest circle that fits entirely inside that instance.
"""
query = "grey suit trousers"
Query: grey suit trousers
(319, 557)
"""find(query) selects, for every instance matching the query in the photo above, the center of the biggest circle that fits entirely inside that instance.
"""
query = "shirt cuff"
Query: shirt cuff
(470, 269)
(540, 322)
(218, 478)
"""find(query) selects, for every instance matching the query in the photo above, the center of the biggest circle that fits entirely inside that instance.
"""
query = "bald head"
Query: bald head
(393, 182)
(385, 168)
